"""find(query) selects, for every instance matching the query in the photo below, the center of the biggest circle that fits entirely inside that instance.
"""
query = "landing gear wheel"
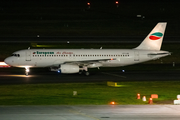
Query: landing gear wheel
(80, 72)
(87, 73)
(26, 73)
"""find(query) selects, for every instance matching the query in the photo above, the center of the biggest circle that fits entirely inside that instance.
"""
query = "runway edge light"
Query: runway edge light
(112, 103)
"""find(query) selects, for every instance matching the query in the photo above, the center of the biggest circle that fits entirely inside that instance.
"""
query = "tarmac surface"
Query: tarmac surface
(91, 112)
(17, 76)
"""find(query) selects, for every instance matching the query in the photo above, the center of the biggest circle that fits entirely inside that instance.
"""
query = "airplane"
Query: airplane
(80, 60)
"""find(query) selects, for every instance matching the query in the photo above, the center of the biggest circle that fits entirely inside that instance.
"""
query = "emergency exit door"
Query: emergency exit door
(136, 55)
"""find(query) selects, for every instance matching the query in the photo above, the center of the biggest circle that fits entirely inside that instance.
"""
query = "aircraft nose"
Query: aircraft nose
(8, 61)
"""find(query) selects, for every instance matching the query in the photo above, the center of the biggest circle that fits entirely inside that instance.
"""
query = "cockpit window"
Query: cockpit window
(16, 55)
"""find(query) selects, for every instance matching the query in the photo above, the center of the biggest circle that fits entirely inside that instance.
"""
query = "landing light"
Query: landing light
(27, 70)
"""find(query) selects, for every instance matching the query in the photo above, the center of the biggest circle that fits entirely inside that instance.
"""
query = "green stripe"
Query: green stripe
(158, 34)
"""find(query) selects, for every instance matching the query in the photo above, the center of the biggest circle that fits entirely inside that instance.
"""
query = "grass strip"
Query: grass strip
(88, 93)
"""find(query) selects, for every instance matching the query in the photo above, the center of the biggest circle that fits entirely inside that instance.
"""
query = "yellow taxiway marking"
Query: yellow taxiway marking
(114, 75)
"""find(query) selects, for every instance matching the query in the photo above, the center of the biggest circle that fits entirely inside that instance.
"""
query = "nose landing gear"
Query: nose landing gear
(26, 71)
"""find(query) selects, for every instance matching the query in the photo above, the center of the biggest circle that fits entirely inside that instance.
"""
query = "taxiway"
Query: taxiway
(17, 76)
(91, 112)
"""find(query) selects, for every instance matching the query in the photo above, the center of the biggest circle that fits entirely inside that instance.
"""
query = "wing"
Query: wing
(89, 63)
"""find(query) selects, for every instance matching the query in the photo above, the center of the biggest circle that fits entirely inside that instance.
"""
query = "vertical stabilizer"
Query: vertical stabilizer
(154, 40)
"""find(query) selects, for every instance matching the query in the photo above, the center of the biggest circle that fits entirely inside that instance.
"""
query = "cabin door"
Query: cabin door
(28, 55)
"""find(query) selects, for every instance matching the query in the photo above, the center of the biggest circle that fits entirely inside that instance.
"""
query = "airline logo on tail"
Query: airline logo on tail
(156, 36)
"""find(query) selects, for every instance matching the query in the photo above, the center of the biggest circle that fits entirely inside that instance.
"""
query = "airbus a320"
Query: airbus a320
(80, 60)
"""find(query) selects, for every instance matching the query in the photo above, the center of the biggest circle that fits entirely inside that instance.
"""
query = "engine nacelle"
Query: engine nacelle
(65, 68)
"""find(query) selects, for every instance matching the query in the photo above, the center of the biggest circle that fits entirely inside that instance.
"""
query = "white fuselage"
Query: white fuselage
(105, 57)
(77, 60)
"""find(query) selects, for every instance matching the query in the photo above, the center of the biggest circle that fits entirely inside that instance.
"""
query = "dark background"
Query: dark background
(76, 18)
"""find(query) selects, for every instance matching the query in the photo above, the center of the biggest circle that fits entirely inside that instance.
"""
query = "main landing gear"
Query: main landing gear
(84, 70)
(26, 71)
(86, 73)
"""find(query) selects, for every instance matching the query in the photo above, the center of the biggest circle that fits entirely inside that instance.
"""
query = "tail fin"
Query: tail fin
(154, 40)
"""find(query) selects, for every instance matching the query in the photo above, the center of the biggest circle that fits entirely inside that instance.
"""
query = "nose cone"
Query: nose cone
(8, 61)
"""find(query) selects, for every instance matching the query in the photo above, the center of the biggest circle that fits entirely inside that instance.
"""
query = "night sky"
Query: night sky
(53, 17)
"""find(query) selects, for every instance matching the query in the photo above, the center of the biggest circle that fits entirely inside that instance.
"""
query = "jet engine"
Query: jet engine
(65, 68)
